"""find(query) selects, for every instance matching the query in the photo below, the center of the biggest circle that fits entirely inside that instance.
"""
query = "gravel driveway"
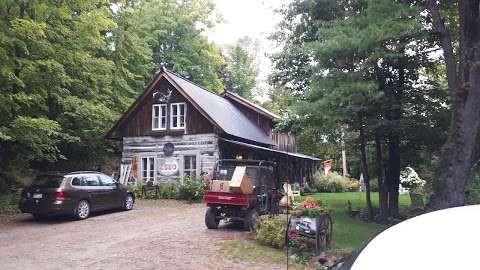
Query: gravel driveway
(155, 235)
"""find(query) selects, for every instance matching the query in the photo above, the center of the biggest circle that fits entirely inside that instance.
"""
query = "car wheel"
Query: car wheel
(210, 218)
(251, 220)
(83, 210)
(128, 202)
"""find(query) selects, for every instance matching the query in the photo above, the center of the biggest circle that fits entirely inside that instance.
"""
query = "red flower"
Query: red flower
(310, 205)
(292, 234)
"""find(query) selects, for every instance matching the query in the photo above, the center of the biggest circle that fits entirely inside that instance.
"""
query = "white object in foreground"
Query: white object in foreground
(445, 239)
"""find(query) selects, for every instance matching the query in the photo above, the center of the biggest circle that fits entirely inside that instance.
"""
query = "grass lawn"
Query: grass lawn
(350, 233)
(249, 250)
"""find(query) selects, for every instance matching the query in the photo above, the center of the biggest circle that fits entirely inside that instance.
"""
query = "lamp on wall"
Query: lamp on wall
(238, 157)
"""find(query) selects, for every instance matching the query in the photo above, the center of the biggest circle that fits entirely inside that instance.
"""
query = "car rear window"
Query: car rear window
(47, 181)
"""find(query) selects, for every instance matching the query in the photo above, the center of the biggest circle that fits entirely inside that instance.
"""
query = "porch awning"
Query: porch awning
(297, 155)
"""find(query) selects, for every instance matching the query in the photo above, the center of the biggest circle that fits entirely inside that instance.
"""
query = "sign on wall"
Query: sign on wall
(168, 167)
(168, 149)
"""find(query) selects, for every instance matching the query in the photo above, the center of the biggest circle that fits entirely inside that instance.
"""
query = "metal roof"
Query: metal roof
(245, 102)
(222, 112)
(298, 155)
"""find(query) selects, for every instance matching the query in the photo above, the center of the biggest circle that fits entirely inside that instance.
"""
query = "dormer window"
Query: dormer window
(159, 117)
(178, 114)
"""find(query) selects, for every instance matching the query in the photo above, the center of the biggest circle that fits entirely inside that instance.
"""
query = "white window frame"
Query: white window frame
(178, 115)
(149, 160)
(160, 116)
(190, 171)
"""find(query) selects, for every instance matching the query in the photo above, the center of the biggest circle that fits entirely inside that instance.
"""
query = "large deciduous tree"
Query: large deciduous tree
(241, 70)
(55, 83)
(175, 30)
(463, 76)
(70, 68)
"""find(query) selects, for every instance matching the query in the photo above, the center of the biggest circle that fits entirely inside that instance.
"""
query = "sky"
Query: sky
(255, 19)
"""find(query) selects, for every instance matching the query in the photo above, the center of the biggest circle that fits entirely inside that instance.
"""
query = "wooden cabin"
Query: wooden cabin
(176, 128)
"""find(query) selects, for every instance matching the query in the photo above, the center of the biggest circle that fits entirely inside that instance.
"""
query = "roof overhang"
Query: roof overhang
(291, 154)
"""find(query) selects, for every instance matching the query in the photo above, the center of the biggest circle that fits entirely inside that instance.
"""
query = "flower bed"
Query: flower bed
(309, 208)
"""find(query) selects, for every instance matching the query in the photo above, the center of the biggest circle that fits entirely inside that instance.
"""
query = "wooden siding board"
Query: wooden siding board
(140, 122)
(203, 146)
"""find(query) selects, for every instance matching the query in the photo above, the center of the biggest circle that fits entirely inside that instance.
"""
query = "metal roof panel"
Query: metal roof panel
(272, 150)
(223, 112)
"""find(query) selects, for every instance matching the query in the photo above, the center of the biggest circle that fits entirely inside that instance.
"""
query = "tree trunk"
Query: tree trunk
(382, 187)
(451, 177)
(366, 176)
(394, 173)
(344, 157)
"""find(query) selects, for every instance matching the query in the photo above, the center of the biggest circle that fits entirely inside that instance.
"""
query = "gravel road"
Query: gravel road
(154, 235)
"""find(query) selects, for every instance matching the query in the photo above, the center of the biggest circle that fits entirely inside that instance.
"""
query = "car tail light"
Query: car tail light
(59, 195)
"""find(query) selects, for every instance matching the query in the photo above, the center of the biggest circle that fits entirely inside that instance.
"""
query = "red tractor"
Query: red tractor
(263, 197)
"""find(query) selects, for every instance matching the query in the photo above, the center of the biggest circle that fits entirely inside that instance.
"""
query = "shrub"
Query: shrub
(191, 189)
(9, 201)
(169, 191)
(272, 231)
(331, 182)
(353, 185)
(308, 190)
(410, 179)
(374, 185)
(137, 190)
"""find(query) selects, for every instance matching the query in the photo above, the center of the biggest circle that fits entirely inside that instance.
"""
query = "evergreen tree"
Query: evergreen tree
(363, 71)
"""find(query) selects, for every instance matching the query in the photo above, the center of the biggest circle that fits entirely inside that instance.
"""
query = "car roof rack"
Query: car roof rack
(79, 172)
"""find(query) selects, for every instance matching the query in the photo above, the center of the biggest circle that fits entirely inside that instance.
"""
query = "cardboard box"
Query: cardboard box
(219, 185)
(240, 182)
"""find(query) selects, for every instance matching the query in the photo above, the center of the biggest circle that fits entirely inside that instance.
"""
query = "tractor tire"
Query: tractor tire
(211, 220)
(251, 220)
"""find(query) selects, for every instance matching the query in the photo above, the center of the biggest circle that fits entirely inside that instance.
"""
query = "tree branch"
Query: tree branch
(447, 46)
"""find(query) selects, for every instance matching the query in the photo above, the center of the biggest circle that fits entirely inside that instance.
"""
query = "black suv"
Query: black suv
(76, 193)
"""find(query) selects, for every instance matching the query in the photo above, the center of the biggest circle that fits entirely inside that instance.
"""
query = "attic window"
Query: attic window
(178, 114)
(159, 117)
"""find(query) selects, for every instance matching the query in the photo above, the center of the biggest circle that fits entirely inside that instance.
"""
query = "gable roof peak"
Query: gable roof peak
(216, 108)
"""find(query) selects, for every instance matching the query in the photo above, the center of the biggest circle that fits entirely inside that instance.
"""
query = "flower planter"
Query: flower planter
(317, 228)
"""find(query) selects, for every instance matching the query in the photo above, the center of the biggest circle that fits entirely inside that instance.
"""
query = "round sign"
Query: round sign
(169, 167)
(168, 149)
